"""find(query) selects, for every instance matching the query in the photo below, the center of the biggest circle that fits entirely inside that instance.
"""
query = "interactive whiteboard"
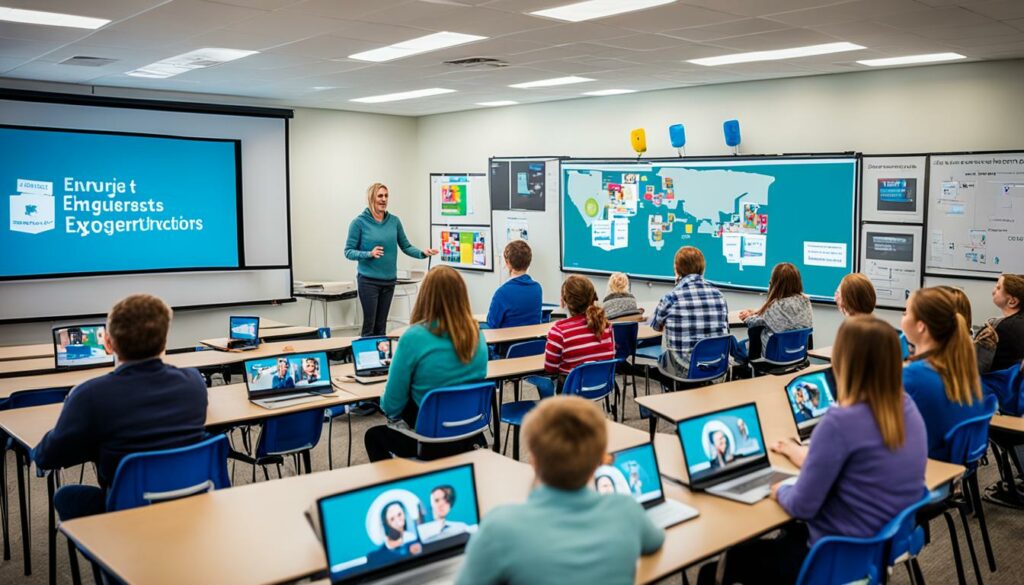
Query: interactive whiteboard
(459, 198)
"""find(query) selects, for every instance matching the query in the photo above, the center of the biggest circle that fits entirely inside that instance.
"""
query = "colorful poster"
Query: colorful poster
(454, 199)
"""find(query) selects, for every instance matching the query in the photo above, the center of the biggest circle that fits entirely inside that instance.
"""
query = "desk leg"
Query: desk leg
(496, 415)
(652, 420)
(51, 528)
(26, 542)
(323, 303)
(5, 509)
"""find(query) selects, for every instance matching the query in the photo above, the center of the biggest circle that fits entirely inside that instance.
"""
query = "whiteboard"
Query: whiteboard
(890, 256)
(542, 234)
(975, 214)
(892, 188)
(459, 199)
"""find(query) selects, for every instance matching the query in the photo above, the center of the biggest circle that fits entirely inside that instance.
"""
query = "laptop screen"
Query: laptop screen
(80, 345)
(247, 328)
(371, 354)
(810, 397)
(301, 371)
(717, 443)
(632, 471)
(398, 524)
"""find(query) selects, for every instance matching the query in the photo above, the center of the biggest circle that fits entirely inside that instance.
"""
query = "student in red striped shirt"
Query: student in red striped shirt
(586, 336)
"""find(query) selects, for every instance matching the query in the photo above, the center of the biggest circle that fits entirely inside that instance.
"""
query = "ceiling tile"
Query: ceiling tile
(724, 30)
(170, 23)
(999, 9)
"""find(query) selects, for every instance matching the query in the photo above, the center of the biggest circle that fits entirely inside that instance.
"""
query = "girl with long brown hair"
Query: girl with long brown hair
(785, 309)
(856, 295)
(442, 347)
(586, 336)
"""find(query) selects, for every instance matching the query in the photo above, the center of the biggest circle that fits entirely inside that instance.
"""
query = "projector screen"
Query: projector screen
(93, 203)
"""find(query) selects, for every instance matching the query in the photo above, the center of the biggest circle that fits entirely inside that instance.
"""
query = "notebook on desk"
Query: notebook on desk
(81, 346)
(287, 380)
(634, 472)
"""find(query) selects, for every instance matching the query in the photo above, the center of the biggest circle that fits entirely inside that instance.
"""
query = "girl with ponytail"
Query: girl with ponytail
(586, 336)
(942, 377)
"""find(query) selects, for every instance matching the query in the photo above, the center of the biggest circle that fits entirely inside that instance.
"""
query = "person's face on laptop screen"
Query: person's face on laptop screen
(379, 526)
(309, 370)
(81, 345)
(720, 441)
(810, 396)
(632, 472)
(371, 353)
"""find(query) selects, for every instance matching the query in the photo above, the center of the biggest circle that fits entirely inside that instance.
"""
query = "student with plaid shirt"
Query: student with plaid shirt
(692, 311)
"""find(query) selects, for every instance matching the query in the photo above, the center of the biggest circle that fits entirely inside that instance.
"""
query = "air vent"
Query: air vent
(84, 61)
(477, 62)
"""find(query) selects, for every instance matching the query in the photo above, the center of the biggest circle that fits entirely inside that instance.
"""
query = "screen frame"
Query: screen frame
(809, 424)
(705, 482)
(239, 199)
(413, 562)
(66, 367)
(375, 339)
(657, 473)
(250, 317)
(269, 392)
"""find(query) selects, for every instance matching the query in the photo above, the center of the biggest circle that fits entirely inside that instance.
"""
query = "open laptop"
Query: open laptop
(80, 346)
(372, 358)
(810, 396)
(634, 472)
(726, 456)
(243, 332)
(289, 379)
(408, 530)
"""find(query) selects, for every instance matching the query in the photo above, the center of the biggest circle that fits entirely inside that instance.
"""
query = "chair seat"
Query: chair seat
(512, 413)
(652, 352)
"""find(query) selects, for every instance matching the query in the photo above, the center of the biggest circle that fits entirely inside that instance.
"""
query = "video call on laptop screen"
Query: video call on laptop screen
(244, 328)
(810, 396)
(721, 441)
(404, 521)
(80, 345)
(371, 354)
(302, 371)
(633, 472)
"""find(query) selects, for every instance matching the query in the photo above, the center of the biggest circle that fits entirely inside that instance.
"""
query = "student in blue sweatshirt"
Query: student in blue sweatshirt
(518, 301)
(143, 405)
(942, 376)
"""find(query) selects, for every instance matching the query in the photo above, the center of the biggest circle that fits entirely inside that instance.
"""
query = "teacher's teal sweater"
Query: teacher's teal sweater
(366, 233)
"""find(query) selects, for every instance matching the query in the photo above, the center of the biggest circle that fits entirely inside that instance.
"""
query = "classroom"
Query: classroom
(670, 291)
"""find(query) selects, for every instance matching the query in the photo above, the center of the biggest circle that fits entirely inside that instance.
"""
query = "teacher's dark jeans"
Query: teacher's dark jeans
(375, 297)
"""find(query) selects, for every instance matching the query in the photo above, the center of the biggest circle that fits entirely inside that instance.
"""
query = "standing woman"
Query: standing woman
(374, 237)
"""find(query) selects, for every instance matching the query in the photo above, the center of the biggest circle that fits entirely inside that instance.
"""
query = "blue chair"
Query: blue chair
(294, 434)
(451, 414)
(625, 334)
(545, 314)
(786, 352)
(904, 346)
(525, 349)
(329, 415)
(709, 362)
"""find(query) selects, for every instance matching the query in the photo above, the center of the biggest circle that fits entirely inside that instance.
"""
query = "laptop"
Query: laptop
(372, 358)
(243, 332)
(634, 472)
(80, 346)
(726, 456)
(409, 530)
(810, 396)
(289, 379)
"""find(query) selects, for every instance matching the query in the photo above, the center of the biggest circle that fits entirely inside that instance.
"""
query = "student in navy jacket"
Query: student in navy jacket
(518, 301)
(143, 405)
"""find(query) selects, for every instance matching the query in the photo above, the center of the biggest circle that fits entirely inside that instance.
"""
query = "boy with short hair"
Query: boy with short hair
(565, 532)
(518, 301)
(143, 405)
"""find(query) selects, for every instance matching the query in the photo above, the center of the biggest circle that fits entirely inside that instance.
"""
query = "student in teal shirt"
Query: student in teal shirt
(565, 532)
(443, 347)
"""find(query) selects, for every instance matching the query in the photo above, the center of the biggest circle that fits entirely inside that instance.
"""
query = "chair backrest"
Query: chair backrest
(525, 348)
(625, 338)
(156, 476)
(904, 346)
(27, 398)
(968, 440)
(592, 380)
(787, 347)
(457, 412)
(545, 315)
(709, 358)
(290, 433)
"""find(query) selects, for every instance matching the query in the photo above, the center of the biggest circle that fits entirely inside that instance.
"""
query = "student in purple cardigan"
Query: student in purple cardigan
(865, 463)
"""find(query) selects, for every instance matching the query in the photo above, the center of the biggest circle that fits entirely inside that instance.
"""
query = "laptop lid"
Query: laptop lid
(244, 328)
(372, 355)
(80, 346)
(633, 471)
(721, 445)
(810, 396)
(288, 373)
(397, 525)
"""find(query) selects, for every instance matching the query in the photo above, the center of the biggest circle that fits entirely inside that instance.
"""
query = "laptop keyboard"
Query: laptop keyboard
(665, 514)
(759, 482)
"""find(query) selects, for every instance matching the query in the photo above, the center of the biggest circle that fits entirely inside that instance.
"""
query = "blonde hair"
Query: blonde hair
(858, 294)
(581, 298)
(867, 367)
(442, 306)
(688, 260)
(954, 357)
(567, 439)
(784, 283)
(371, 192)
(618, 283)
(138, 326)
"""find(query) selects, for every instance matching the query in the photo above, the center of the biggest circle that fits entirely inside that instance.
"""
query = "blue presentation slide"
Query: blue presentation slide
(633, 472)
(86, 202)
(721, 440)
(746, 215)
(305, 371)
(378, 526)
(810, 396)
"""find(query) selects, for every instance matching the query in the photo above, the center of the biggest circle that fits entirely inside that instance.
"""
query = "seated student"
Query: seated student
(143, 405)
(942, 376)
(865, 464)
(565, 532)
(786, 308)
(855, 295)
(585, 336)
(1008, 296)
(986, 339)
(442, 347)
(518, 301)
(619, 302)
(692, 311)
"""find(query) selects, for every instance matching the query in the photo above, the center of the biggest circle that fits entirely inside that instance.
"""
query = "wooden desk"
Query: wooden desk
(822, 353)
(527, 332)
(271, 324)
(23, 352)
(1008, 423)
(220, 343)
(734, 319)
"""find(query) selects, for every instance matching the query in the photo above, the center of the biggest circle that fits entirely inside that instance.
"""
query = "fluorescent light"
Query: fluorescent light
(609, 92)
(912, 59)
(497, 103)
(551, 82)
(416, 46)
(198, 59)
(592, 9)
(778, 54)
(405, 95)
(51, 18)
